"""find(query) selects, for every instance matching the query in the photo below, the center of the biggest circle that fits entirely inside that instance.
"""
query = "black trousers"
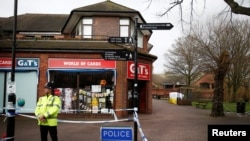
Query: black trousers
(52, 130)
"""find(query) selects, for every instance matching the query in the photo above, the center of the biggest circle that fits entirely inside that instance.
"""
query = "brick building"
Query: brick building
(203, 87)
(69, 50)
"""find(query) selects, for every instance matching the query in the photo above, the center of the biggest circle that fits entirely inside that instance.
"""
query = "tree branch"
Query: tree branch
(237, 9)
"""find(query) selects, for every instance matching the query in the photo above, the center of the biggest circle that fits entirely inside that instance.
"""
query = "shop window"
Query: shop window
(96, 91)
(95, 95)
(65, 79)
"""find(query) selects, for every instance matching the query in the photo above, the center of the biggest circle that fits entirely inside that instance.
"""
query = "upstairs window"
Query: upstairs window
(127, 30)
(87, 27)
(84, 28)
(124, 27)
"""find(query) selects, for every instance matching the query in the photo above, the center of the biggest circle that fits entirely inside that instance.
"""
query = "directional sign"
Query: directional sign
(120, 40)
(155, 26)
(118, 55)
(116, 134)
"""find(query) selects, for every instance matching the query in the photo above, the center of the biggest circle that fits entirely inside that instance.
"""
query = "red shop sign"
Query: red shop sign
(81, 63)
(143, 71)
(5, 62)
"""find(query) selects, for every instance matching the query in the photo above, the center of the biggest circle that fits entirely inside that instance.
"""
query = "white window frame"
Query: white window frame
(87, 24)
(124, 27)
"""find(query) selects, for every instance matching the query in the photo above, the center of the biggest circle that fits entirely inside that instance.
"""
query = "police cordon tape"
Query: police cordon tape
(6, 139)
(135, 119)
(86, 122)
(139, 127)
(112, 111)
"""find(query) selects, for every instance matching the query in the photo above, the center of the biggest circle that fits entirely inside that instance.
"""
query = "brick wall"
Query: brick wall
(106, 26)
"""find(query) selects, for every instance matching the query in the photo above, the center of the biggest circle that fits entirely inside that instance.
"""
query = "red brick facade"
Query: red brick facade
(70, 46)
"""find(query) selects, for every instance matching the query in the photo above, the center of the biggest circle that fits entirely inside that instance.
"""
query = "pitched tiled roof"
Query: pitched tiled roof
(36, 22)
(106, 6)
(2, 19)
(158, 79)
(65, 23)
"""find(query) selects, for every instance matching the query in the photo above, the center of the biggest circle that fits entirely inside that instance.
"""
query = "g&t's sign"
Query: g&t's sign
(20, 63)
(27, 62)
(143, 71)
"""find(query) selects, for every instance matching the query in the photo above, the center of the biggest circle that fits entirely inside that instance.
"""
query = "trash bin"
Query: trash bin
(241, 107)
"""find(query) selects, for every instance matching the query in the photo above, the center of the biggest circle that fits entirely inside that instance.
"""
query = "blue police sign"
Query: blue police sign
(116, 134)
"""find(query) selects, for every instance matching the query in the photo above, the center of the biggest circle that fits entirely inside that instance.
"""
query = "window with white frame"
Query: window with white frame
(124, 27)
(87, 27)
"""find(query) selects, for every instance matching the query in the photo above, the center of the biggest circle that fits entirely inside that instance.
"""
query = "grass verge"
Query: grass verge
(228, 106)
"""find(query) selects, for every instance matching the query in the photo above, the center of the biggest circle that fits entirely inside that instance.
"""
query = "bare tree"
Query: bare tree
(218, 46)
(215, 46)
(239, 68)
(182, 60)
(235, 6)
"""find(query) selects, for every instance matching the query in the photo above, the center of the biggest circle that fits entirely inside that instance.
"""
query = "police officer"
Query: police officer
(47, 109)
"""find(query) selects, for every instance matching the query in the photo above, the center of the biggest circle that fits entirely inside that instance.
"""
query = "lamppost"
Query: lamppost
(135, 95)
(11, 96)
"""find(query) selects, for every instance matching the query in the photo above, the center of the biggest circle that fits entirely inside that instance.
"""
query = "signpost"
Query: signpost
(155, 26)
(116, 134)
(118, 55)
(109, 134)
(12, 96)
(143, 26)
(120, 40)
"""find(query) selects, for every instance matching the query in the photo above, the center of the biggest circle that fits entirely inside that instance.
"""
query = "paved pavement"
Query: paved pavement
(168, 122)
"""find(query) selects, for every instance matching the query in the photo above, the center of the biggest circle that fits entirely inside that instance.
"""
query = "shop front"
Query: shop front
(143, 76)
(84, 85)
(25, 84)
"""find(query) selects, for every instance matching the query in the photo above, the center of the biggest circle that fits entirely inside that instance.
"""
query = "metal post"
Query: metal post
(11, 117)
(135, 95)
(12, 97)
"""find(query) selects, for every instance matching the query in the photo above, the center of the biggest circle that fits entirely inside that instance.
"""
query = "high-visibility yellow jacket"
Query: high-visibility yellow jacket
(48, 106)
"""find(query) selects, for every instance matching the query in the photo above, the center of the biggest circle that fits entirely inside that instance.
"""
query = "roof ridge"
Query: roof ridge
(107, 5)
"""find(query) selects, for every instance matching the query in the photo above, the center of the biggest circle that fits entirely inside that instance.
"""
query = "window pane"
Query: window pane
(87, 21)
(124, 22)
(79, 30)
(124, 31)
(140, 40)
(87, 31)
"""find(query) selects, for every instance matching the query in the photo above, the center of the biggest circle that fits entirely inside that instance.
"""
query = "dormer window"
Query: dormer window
(127, 30)
(85, 28)
(124, 27)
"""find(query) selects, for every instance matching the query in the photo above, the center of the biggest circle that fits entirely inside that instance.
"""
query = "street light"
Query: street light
(135, 95)
(12, 97)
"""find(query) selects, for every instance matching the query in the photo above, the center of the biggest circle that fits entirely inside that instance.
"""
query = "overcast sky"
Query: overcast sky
(161, 40)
